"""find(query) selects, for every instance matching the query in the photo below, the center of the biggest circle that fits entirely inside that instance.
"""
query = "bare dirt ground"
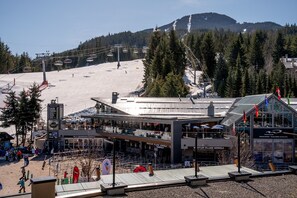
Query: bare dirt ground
(10, 172)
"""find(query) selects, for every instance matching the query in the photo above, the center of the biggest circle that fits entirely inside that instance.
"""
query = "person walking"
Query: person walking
(26, 160)
(19, 155)
(6, 155)
(22, 185)
(24, 173)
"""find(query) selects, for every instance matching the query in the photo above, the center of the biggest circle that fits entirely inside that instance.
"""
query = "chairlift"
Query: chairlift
(67, 61)
(27, 69)
(109, 54)
(58, 63)
(135, 51)
(93, 56)
(90, 59)
(144, 50)
(125, 50)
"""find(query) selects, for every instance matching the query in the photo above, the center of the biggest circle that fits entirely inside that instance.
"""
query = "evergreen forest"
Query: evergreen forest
(237, 64)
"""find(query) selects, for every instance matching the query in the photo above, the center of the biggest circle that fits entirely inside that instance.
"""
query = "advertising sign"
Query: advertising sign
(106, 167)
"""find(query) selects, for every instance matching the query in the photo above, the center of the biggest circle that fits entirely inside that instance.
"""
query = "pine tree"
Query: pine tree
(294, 47)
(24, 115)
(279, 48)
(237, 78)
(34, 105)
(208, 54)
(6, 59)
(174, 86)
(178, 54)
(221, 74)
(230, 84)
(256, 52)
(10, 114)
(154, 90)
(245, 88)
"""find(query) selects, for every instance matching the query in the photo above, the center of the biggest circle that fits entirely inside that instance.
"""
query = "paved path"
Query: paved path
(143, 178)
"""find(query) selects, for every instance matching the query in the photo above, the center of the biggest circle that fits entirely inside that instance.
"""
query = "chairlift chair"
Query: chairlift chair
(27, 69)
(144, 50)
(67, 61)
(93, 56)
(90, 59)
(135, 51)
(58, 63)
(109, 54)
(125, 50)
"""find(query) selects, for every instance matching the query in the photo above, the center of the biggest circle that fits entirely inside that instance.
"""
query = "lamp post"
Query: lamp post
(196, 150)
(196, 180)
(113, 165)
(238, 151)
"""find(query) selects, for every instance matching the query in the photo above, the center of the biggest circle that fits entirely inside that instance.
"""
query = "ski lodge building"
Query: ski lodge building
(165, 129)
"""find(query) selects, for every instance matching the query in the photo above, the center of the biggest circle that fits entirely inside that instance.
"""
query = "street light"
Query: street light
(196, 150)
(238, 151)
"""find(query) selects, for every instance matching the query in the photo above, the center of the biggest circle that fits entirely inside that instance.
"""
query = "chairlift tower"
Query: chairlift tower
(43, 56)
(118, 46)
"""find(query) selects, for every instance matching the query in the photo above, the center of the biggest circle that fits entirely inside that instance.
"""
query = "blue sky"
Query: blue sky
(35, 26)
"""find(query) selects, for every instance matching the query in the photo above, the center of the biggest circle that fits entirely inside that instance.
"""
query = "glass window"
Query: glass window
(288, 151)
(288, 120)
(267, 150)
(267, 120)
(278, 120)
(277, 107)
(278, 154)
(277, 150)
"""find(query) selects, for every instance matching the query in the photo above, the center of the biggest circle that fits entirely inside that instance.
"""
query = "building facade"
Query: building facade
(164, 129)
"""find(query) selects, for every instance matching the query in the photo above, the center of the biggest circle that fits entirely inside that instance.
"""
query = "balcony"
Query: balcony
(207, 142)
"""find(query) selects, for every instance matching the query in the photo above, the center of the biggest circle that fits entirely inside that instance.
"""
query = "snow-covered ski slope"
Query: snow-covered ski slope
(75, 87)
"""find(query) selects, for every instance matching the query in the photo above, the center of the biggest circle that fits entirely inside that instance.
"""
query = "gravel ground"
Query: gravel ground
(274, 186)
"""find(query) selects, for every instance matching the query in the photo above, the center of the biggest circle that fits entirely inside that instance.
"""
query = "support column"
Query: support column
(176, 135)
(252, 133)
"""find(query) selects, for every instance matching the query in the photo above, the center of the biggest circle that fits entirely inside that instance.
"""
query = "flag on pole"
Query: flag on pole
(256, 110)
(266, 101)
(244, 117)
(278, 93)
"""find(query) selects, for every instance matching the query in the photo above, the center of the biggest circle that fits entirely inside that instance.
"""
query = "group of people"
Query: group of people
(23, 178)
(13, 154)
(16, 154)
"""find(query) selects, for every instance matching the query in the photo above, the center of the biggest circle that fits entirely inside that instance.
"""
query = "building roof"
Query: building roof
(230, 109)
(5, 136)
(169, 107)
(289, 63)
(247, 105)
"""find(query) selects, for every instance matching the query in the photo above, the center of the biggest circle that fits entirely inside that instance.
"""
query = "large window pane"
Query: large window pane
(278, 120)
(267, 119)
(288, 120)
(278, 154)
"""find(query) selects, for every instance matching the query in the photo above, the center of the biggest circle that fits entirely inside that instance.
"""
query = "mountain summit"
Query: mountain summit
(211, 21)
